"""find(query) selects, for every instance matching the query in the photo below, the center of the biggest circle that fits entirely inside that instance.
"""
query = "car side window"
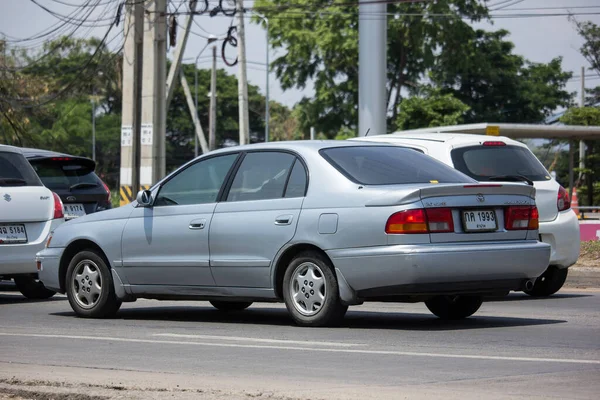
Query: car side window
(261, 176)
(296, 186)
(199, 183)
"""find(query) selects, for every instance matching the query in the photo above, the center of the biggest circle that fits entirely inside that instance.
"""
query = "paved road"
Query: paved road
(517, 346)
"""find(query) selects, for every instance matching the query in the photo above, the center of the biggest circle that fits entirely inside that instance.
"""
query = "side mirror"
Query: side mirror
(144, 198)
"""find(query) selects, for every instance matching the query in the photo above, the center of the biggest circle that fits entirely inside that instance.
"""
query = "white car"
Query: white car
(495, 158)
(28, 213)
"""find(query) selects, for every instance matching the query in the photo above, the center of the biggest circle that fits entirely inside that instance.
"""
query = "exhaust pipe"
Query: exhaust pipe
(529, 284)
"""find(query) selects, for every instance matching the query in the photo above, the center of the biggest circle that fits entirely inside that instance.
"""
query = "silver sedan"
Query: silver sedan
(317, 225)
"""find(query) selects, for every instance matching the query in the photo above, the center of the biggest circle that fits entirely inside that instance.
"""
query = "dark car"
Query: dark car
(73, 179)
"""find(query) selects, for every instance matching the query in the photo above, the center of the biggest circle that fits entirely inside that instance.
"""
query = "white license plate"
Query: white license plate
(13, 234)
(74, 211)
(479, 221)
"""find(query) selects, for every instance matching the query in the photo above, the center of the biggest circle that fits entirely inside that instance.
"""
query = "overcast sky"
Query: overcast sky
(538, 39)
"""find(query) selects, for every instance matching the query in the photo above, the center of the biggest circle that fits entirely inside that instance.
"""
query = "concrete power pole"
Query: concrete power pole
(212, 129)
(133, 50)
(154, 116)
(242, 79)
(581, 142)
(372, 67)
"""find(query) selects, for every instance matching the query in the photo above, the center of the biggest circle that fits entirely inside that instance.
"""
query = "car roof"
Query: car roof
(10, 149)
(32, 153)
(453, 139)
(297, 145)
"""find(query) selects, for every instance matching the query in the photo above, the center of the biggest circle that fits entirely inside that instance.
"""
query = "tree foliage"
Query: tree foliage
(430, 109)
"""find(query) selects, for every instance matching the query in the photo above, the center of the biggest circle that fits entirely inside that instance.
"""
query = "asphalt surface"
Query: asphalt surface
(516, 346)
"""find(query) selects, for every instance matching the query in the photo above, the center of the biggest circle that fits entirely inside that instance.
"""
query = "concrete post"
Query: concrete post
(372, 67)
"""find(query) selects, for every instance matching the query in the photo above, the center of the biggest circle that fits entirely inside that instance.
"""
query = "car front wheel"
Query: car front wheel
(32, 288)
(311, 292)
(549, 283)
(90, 288)
(454, 307)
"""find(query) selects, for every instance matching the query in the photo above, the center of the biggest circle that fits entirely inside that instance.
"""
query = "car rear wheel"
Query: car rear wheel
(311, 292)
(90, 288)
(231, 305)
(549, 283)
(454, 307)
(32, 288)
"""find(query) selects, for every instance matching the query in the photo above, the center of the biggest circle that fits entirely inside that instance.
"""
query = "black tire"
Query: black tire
(454, 307)
(32, 288)
(231, 305)
(549, 283)
(103, 305)
(326, 308)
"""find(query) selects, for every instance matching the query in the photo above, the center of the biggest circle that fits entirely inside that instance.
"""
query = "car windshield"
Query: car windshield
(484, 162)
(70, 174)
(16, 171)
(390, 165)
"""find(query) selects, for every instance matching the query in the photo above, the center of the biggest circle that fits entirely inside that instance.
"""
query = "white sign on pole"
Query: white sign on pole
(126, 135)
(147, 133)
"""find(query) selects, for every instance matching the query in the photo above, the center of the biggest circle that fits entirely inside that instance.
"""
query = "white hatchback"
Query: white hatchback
(28, 213)
(494, 158)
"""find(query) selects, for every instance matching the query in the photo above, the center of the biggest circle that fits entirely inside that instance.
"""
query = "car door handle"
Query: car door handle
(197, 224)
(284, 220)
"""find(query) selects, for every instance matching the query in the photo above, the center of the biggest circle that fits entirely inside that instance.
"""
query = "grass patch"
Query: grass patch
(590, 251)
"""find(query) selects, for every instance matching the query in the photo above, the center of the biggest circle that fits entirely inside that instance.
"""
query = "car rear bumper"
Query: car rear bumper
(49, 260)
(455, 267)
(16, 259)
(562, 235)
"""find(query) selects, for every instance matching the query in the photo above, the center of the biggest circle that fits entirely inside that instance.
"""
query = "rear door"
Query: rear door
(25, 204)
(498, 160)
(74, 180)
(257, 218)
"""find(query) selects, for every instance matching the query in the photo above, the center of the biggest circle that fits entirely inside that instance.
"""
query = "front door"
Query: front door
(167, 244)
(257, 218)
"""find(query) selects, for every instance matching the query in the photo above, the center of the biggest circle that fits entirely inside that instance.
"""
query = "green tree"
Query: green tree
(432, 109)
(498, 85)
(320, 38)
(587, 116)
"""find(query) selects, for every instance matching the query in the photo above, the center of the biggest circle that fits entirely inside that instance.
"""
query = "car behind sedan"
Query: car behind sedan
(28, 213)
(317, 225)
(73, 179)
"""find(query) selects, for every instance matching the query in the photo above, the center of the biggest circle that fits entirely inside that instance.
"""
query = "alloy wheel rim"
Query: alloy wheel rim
(308, 289)
(87, 284)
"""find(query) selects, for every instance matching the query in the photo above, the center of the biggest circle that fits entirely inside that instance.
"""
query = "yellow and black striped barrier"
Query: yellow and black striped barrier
(127, 195)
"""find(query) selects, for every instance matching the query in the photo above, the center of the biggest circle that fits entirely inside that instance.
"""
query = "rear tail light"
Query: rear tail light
(564, 202)
(434, 220)
(107, 190)
(522, 218)
(440, 220)
(58, 207)
(497, 143)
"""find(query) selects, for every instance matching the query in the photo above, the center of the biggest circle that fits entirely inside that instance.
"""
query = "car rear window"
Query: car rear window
(16, 171)
(484, 162)
(71, 174)
(390, 165)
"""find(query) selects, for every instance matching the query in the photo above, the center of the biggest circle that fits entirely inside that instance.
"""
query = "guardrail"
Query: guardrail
(595, 211)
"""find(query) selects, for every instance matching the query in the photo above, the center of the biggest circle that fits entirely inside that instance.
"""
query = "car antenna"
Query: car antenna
(367, 133)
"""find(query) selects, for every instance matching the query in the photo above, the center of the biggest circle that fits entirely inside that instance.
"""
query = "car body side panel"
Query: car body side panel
(245, 237)
(168, 245)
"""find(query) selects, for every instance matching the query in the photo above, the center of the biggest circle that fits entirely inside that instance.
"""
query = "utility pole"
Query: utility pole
(178, 55)
(581, 142)
(133, 62)
(242, 79)
(312, 133)
(372, 67)
(93, 129)
(212, 129)
(154, 117)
